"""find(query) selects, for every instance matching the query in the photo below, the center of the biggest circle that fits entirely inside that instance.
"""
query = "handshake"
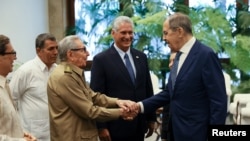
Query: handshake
(129, 109)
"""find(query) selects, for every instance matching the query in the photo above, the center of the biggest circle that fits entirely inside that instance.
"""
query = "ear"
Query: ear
(112, 32)
(69, 54)
(38, 50)
(181, 32)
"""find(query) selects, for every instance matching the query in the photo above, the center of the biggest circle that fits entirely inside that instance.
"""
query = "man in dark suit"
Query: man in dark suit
(197, 96)
(109, 75)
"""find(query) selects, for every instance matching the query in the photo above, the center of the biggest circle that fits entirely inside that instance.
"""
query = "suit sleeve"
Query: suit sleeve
(156, 101)
(215, 85)
(150, 116)
(97, 72)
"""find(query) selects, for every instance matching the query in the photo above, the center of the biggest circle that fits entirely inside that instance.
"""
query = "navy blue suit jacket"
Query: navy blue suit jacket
(110, 76)
(199, 97)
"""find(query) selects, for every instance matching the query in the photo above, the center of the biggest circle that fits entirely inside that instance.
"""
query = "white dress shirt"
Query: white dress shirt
(29, 89)
(10, 126)
(122, 53)
(185, 49)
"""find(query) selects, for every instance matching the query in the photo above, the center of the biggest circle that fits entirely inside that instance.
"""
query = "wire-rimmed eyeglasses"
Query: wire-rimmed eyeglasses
(79, 49)
(11, 53)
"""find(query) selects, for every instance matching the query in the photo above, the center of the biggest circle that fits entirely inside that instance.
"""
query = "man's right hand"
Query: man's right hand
(29, 137)
(128, 115)
(135, 108)
(104, 134)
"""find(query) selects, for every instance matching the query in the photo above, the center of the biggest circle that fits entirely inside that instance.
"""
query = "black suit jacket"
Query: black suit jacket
(110, 76)
(199, 97)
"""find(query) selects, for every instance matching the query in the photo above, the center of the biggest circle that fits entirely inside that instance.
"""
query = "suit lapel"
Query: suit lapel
(188, 61)
(137, 64)
(120, 64)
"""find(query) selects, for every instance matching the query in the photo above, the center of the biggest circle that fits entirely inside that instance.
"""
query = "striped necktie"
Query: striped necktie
(174, 69)
(129, 68)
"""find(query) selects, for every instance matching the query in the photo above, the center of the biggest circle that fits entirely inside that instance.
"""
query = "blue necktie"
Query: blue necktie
(129, 68)
(174, 69)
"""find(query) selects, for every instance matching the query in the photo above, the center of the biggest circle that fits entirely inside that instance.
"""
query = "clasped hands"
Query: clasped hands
(129, 109)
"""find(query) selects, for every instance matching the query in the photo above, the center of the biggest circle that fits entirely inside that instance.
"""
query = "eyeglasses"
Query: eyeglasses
(12, 53)
(79, 49)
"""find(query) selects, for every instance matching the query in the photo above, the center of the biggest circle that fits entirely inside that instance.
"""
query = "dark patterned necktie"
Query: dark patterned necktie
(174, 69)
(129, 68)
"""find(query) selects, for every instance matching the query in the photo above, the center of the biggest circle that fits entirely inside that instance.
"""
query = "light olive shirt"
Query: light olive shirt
(10, 127)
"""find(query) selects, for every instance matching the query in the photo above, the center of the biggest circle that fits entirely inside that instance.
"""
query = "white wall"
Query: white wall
(22, 21)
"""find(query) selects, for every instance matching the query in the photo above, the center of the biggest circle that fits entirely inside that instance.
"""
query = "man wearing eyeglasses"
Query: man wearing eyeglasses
(29, 87)
(74, 108)
(10, 125)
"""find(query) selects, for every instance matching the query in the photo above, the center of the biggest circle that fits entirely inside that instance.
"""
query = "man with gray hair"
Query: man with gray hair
(74, 108)
(196, 87)
(122, 71)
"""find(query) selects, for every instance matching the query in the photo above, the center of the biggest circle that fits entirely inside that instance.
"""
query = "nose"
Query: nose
(15, 56)
(129, 35)
(164, 39)
(87, 52)
(164, 36)
(56, 51)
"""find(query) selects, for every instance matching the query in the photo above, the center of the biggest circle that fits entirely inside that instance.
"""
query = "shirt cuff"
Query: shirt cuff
(141, 107)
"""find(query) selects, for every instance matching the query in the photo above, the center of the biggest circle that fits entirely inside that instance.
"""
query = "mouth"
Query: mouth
(127, 43)
(54, 58)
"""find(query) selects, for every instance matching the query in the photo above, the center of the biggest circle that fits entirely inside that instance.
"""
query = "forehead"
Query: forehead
(79, 43)
(125, 26)
(166, 25)
(49, 43)
(9, 47)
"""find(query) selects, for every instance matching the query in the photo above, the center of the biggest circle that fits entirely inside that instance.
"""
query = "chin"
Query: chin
(83, 66)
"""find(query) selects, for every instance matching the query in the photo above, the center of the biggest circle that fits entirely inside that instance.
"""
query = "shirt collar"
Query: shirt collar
(73, 67)
(121, 53)
(188, 45)
(2, 81)
(42, 65)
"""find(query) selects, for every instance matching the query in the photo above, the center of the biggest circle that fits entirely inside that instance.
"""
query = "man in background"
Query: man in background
(123, 72)
(29, 87)
(10, 125)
